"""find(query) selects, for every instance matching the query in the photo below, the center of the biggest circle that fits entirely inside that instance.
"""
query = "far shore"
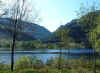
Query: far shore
(37, 52)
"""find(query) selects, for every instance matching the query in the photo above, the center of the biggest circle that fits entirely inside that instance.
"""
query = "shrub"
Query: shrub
(26, 62)
(23, 62)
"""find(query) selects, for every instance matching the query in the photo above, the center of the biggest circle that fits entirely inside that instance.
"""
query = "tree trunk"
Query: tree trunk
(95, 64)
(13, 45)
(12, 51)
(59, 60)
(94, 53)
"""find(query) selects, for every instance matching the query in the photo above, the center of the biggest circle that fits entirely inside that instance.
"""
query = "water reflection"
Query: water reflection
(44, 56)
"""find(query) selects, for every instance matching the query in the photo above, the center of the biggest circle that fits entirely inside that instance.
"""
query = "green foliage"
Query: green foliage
(33, 65)
(26, 62)
(51, 46)
(27, 71)
(24, 45)
(95, 38)
(23, 63)
(5, 43)
(4, 67)
(65, 40)
(89, 20)
(37, 63)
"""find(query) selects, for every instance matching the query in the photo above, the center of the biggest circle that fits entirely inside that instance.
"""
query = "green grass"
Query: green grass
(7, 72)
(28, 65)
(51, 71)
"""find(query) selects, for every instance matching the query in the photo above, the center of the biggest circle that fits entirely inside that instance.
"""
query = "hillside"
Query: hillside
(80, 31)
(31, 32)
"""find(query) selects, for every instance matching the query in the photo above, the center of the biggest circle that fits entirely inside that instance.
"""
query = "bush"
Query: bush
(26, 62)
(23, 63)
(4, 67)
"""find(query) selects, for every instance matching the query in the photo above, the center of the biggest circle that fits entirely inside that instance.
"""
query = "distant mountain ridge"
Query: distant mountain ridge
(75, 31)
(31, 32)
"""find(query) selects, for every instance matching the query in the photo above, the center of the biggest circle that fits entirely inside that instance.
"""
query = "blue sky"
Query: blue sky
(58, 12)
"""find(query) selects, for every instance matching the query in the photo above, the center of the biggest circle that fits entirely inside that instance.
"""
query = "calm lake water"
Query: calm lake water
(44, 54)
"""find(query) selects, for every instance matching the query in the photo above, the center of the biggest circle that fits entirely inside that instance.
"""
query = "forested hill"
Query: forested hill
(31, 32)
(82, 32)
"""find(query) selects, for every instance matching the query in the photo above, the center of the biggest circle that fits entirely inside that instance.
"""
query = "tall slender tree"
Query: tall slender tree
(62, 34)
(19, 10)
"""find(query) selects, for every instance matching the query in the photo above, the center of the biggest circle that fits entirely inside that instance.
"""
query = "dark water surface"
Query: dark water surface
(44, 54)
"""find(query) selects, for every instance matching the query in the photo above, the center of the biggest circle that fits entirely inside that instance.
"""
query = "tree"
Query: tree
(64, 42)
(62, 34)
(88, 19)
(18, 12)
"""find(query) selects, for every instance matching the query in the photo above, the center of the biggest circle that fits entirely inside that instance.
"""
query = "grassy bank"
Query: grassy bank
(34, 65)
